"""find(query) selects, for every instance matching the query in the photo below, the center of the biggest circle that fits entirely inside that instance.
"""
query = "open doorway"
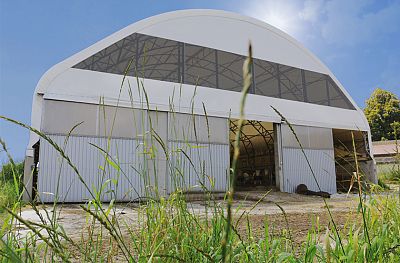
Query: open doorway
(256, 164)
(345, 164)
(36, 149)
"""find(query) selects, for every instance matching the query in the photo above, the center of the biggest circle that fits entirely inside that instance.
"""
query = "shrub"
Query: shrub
(389, 173)
(7, 171)
(8, 196)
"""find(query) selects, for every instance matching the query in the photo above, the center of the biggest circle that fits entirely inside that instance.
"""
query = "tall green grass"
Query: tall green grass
(389, 172)
(168, 229)
(10, 182)
(8, 196)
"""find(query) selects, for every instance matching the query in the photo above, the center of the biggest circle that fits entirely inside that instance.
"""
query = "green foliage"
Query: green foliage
(8, 196)
(382, 184)
(168, 231)
(383, 114)
(6, 173)
(389, 172)
(10, 185)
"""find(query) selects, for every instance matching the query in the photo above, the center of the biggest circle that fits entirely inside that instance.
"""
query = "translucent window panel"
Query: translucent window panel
(310, 137)
(158, 58)
(182, 127)
(289, 139)
(320, 138)
(125, 123)
(317, 91)
(113, 59)
(336, 96)
(266, 78)
(59, 117)
(200, 66)
(168, 60)
(291, 83)
(230, 71)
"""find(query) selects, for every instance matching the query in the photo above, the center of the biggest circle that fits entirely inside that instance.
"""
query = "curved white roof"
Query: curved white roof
(209, 28)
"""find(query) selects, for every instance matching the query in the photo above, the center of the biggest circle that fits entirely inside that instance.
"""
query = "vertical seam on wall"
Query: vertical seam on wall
(303, 83)
(183, 63)
(167, 171)
(278, 74)
(216, 69)
(253, 82)
(97, 120)
(166, 157)
(327, 90)
(280, 156)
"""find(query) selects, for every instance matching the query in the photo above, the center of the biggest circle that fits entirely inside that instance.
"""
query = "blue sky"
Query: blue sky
(358, 40)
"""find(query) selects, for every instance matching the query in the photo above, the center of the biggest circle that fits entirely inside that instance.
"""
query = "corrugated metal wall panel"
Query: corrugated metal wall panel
(192, 165)
(318, 147)
(296, 170)
(128, 184)
(54, 172)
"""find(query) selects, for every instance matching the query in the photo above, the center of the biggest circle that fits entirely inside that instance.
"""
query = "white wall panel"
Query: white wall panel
(296, 170)
(57, 178)
(192, 165)
(157, 163)
(318, 147)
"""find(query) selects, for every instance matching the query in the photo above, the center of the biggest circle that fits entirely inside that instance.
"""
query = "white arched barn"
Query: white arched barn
(161, 97)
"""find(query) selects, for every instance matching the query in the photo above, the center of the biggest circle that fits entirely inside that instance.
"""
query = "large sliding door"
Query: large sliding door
(312, 163)
(199, 153)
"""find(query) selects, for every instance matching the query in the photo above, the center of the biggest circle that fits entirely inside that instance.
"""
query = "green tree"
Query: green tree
(382, 111)
(396, 129)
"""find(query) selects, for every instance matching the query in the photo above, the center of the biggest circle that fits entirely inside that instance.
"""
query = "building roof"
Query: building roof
(385, 148)
(210, 28)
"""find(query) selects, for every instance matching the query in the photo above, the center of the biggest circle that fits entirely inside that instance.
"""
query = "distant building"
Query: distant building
(385, 151)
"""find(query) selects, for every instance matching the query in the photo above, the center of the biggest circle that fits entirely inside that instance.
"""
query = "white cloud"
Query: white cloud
(312, 10)
(284, 15)
(339, 22)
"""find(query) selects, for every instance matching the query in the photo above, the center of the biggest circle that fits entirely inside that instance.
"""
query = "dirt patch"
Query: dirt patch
(296, 225)
(302, 212)
(294, 215)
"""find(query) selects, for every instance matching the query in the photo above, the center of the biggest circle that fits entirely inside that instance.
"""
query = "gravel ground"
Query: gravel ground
(301, 212)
